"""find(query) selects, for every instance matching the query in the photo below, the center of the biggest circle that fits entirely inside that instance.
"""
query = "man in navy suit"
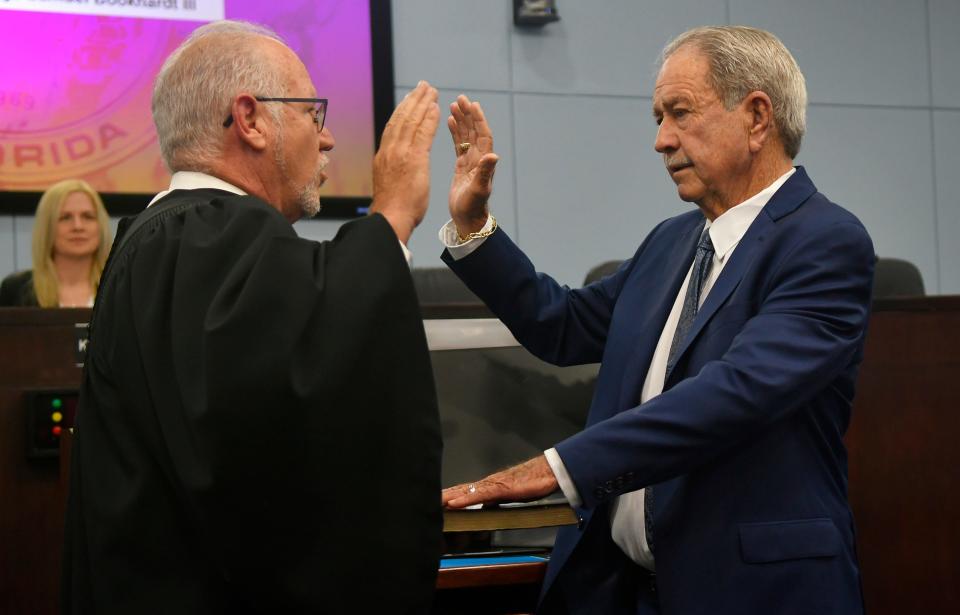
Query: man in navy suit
(711, 475)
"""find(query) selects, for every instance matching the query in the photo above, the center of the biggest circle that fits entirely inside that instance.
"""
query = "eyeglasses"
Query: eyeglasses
(319, 111)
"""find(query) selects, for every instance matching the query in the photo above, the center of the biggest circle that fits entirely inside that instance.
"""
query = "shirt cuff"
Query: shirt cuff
(563, 478)
(451, 241)
(406, 254)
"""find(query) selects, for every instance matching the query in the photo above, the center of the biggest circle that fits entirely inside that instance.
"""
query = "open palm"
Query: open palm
(476, 162)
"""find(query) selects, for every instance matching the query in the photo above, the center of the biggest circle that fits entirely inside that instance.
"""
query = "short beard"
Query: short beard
(308, 199)
(308, 196)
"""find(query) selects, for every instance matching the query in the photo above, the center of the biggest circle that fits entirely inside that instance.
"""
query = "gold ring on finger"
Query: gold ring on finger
(471, 488)
(463, 147)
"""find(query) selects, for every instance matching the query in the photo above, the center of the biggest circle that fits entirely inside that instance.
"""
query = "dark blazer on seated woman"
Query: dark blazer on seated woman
(16, 290)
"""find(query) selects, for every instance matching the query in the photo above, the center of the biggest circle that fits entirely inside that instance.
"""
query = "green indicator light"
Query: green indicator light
(56, 403)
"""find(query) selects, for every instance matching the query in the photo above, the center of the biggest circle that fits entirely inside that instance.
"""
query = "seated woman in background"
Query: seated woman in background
(71, 240)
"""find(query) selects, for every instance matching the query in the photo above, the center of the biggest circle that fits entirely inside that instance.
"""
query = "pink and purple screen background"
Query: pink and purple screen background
(75, 92)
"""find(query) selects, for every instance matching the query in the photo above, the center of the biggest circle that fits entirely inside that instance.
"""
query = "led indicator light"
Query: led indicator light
(56, 430)
(57, 417)
(57, 402)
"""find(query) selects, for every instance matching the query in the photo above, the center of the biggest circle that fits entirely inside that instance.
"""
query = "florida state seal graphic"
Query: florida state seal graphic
(94, 120)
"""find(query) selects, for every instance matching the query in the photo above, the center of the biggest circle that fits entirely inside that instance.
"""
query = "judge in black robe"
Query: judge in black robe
(258, 428)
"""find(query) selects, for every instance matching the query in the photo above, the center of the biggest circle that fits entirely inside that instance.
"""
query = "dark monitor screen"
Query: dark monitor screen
(499, 404)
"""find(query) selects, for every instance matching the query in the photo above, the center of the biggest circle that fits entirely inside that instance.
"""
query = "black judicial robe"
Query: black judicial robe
(258, 427)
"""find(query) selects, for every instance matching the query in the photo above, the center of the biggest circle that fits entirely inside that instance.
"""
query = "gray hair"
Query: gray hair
(744, 60)
(195, 87)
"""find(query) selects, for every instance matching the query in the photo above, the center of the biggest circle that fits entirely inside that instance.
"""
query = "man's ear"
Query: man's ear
(249, 124)
(759, 112)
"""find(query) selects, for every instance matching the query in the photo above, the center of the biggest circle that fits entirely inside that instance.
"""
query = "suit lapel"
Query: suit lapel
(674, 267)
(729, 278)
(789, 197)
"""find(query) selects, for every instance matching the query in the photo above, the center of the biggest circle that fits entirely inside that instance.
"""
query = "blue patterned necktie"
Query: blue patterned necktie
(691, 303)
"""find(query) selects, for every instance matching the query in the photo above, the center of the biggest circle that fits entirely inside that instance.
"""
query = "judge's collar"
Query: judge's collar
(193, 180)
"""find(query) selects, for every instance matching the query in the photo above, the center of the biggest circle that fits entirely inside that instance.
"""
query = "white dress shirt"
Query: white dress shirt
(725, 232)
(194, 180)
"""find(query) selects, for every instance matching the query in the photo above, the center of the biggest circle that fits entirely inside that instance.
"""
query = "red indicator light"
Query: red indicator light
(56, 430)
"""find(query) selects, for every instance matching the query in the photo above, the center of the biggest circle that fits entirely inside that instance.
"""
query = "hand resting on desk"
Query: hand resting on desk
(530, 480)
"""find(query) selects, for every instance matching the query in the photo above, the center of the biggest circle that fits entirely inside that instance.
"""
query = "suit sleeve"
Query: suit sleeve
(807, 330)
(558, 324)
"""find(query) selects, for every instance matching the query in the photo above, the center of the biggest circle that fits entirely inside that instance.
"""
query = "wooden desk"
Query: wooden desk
(904, 452)
(489, 590)
(485, 576)
(36, 352)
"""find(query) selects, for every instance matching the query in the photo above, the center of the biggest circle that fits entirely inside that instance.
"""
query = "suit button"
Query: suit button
(599, 493)
(608, 486)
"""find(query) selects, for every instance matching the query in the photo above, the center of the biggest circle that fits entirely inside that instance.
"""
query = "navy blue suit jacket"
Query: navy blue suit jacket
(744, 446)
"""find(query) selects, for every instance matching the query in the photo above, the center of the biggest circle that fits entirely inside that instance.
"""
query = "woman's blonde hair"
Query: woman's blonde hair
(45, 283)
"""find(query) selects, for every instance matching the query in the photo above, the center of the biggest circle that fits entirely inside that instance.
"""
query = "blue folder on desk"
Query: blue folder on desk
(465, 562)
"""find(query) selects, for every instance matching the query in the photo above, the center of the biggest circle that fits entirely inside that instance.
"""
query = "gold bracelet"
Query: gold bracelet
(478, 234)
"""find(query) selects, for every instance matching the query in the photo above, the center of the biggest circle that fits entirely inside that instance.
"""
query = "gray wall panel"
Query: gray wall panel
(7, 262)
(454, 43)
(945, 52)
(871, 52)
(604, 48)
(878, 164)
(947, 142)
(23, 229)
(591, 190)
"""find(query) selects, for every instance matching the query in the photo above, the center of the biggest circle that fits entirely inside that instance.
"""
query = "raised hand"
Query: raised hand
(473, 174)
(401, 168)
(530, 480)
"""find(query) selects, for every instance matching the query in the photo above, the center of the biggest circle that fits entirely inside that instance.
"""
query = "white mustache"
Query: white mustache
(676, 161)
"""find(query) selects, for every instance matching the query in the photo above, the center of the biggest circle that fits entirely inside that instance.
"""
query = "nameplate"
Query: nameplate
(81, 333)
